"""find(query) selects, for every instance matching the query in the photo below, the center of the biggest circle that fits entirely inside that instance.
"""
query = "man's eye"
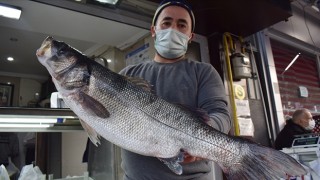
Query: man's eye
(182, 25)
(166, 23)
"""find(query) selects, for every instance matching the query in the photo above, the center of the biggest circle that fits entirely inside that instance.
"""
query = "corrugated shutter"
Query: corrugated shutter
(303, 72)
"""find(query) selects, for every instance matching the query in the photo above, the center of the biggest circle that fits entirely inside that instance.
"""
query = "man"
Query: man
(178, 80)
(9, 151)
(301, 123)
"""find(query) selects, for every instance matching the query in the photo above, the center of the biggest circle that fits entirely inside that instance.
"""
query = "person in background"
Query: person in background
(9, 152)
(29, 143)
(3, 100)
(301, 123)
(177, 79)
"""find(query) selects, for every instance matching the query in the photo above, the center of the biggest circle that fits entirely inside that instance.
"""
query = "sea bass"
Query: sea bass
(125, 112)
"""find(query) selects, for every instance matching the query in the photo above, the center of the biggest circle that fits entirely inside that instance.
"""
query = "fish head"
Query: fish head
(57, 56)
(66, 65)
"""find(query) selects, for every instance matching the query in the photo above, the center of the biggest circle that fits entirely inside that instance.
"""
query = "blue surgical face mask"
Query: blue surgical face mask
(170, 43)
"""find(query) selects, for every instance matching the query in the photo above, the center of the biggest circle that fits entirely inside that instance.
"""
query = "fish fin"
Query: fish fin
(261, 162)
(93, 106)
(92, 134)
(173, 163)
(312, 172)
(140, 82)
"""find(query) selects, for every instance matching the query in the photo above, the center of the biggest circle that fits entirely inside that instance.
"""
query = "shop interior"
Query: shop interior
(115, 36)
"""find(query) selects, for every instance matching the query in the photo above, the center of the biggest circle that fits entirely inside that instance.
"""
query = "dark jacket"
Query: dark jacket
(286, 136)
(9, 147)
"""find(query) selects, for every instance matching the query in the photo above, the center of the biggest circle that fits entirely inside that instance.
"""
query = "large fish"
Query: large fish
(124, 111)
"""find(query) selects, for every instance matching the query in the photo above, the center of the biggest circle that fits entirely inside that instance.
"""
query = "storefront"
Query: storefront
(264, 93)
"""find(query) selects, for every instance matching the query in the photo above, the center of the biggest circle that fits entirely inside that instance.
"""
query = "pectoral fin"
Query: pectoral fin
(93, 135)
(93, 106)
(173, 163)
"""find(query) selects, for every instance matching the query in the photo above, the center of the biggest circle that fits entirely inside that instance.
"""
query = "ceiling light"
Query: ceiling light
(315, 8)
(10, 58)
(109, 60)
(10, 11)
(108, 1)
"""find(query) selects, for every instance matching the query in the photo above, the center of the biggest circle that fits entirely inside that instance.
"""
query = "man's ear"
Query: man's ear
(301, 122)
(191, 37)
(153, 31)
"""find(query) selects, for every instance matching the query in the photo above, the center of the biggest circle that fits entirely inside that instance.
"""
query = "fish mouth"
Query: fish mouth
(46, 45)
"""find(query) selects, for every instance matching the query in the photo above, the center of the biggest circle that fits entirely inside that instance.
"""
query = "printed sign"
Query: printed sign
(244, 118)
(239, 92)
(138, 55)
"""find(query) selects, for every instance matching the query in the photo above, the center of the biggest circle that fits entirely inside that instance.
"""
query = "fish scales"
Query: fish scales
(158, 109)
(126, 97)
(122, 111)
(154, 110)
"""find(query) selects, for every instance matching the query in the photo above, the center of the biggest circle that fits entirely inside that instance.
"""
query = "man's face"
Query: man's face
(306, 118)
(174, 17)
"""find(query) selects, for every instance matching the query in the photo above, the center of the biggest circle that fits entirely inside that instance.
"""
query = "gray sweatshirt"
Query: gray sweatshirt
(190, 83)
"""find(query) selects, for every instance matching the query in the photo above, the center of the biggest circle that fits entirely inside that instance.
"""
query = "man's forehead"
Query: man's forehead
(307, 114)
(175, 12)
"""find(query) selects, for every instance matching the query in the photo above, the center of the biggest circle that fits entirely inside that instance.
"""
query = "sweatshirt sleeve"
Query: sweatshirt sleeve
(213, 99)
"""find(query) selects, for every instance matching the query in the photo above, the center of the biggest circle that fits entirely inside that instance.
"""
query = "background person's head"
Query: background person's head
(303, 118)
(172, 27)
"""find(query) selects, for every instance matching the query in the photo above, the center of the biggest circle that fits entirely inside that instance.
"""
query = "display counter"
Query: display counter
(104, 161)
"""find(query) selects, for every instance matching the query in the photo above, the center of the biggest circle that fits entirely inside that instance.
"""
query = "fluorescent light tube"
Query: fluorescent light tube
(315, 8)
(25, 125)
(10, 11)
(292, 61)
(26, 120)
(108, 1)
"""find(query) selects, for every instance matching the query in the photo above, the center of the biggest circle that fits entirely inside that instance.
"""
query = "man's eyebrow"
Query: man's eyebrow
(182, 21)
(168, 18)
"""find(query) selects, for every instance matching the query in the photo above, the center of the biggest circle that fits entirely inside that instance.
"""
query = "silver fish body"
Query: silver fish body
(132, 117)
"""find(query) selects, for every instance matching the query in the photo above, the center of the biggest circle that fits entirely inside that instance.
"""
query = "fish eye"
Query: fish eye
(62, 49)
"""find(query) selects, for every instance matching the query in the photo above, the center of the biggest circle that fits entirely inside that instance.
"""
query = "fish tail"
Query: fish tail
(259, 162)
